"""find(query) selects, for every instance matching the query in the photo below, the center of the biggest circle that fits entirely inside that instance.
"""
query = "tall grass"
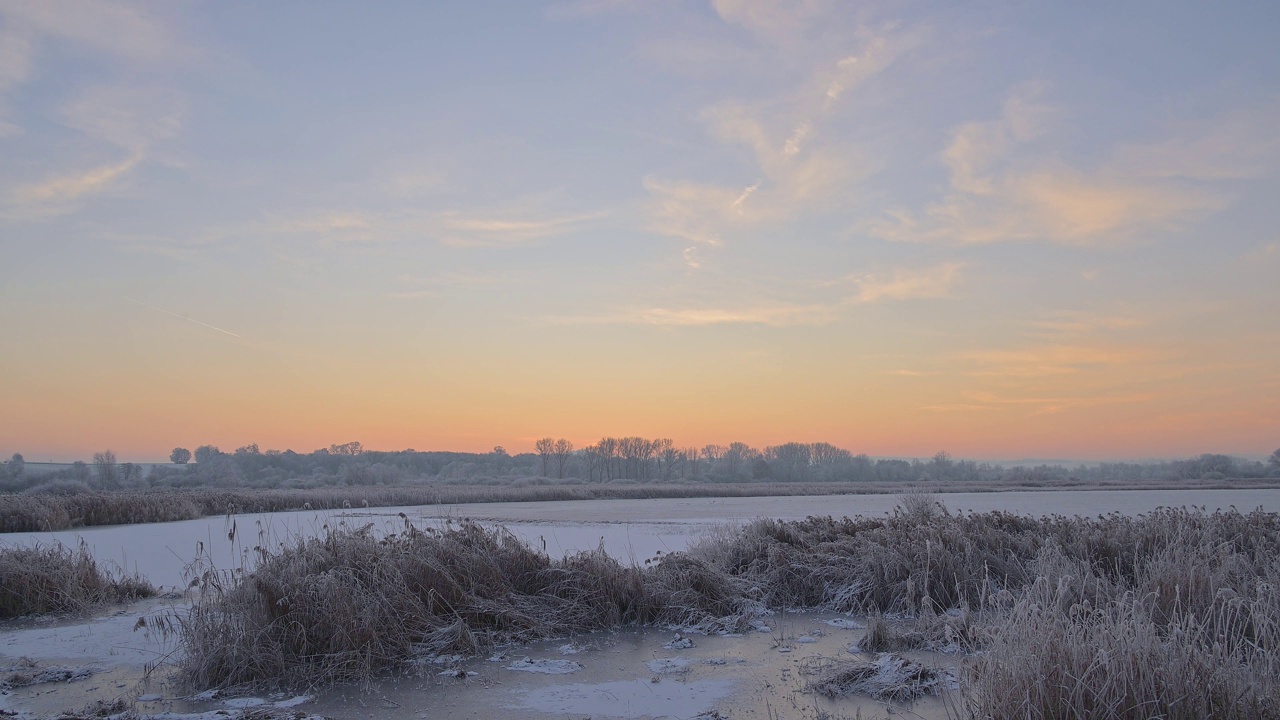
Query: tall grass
(348, 605)
(45, 512)
(1186, 628)
(54, 578)
(1174, 614)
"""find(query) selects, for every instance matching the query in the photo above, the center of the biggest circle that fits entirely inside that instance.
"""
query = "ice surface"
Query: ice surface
(626, 698)
(630, 530)
(545, 667)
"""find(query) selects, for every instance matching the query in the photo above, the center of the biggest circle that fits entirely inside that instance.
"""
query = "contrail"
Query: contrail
(184, 317)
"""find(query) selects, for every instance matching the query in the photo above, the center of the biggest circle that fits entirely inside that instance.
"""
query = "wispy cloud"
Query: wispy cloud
(1239, 144)
(1005, 189)
(477, 231)
(695, 212)
(53, 193)
(1051, 359)
(413, 185)
(796, 168)
(1076, 324)
(413, 294)
(775, 315)
(120, 30)
(909, 284)
(691, 260)
(129, 116)
(1046, 405)
(124, 29)
(829, 304)
(16, 50)
(332, 227)
(452, 278)
(184, 317)
(442, 282)
(776, 21)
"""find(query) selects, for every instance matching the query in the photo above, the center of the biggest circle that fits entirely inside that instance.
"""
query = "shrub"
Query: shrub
(53, 578)
(345, 606)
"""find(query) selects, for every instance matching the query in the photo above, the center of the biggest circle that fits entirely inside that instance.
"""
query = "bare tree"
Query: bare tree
(180, 456)
(668, 456)
(562, 450)
(350, 449)
(829, 461)
(104, 463)
(790, 460)
(736, 457)
(692, 463)
(545, 447)
(610, 458)
(591, 454)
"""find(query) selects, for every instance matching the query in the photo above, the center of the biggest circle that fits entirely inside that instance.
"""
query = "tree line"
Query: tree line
(611, 459)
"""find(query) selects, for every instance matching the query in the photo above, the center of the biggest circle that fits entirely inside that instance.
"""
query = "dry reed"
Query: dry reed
(54, 578)
(351, 604)
(1172, 614)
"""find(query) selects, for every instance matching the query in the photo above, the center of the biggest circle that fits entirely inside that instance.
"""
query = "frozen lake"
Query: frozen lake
(623, 673)
(628, 529)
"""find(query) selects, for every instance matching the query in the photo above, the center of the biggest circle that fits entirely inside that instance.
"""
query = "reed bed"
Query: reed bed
(56, 579)
(36, 512)
(349, 605)
(1173, 614)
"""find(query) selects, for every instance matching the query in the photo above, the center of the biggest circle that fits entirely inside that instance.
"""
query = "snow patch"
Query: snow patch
(670, 666)
(545, 667)
(681, 642)
(27, 672)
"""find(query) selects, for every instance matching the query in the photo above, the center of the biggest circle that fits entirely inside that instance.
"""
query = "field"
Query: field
(1170, 613)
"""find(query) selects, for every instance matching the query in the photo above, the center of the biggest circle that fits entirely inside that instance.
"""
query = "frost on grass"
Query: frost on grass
(348, 605)
(54, 578)
(1173, 614)
(679, 642)
(26, 672)
(119, 710)
(888, 677)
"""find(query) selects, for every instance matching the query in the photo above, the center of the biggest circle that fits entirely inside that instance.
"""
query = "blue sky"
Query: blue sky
(1000, 229)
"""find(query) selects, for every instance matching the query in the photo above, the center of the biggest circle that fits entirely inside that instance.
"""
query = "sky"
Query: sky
(999, 229)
